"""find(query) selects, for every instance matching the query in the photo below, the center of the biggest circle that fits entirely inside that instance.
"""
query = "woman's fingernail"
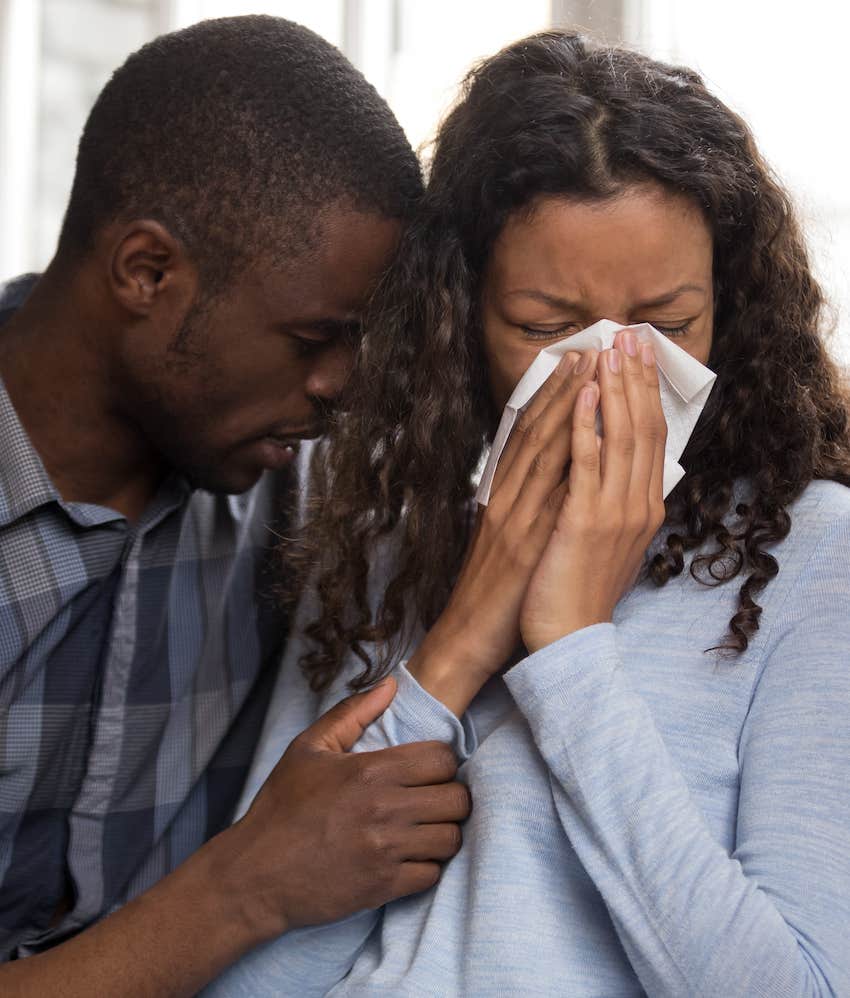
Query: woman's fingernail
(614, 360)
(583, 363)
(566, 362)
(647, 354)
(630, 344)
(588, 396)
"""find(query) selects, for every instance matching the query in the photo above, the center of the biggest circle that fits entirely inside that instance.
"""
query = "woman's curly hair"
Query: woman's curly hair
(554, 115)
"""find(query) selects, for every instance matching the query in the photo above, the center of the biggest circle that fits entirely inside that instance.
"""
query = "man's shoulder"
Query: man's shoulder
(13, 294)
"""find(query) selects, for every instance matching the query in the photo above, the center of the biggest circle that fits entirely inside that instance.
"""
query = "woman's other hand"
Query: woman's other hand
(479, 628)
(612, 502)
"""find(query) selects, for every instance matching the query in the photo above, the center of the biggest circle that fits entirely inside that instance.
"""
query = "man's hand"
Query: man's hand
(329, 833)
(333, 832)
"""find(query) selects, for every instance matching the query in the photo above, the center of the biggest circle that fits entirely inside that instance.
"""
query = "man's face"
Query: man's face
(253, 371)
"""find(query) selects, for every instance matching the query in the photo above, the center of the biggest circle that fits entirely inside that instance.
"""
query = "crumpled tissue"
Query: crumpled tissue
(685, 387)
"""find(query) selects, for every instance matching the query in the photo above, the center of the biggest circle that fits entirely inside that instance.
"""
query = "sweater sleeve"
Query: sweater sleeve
(773, 918)
(307, 963)
(415, 716)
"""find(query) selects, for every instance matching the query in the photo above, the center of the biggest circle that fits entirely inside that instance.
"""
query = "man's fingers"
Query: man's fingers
(342, 725)
(438, 804)
(415, 876)
(419, 764)
(435, 842)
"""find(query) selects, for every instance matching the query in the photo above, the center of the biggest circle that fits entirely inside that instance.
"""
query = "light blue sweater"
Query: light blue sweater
(647, 817)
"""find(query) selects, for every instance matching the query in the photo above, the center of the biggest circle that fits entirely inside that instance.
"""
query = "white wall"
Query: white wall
(780, 63)
(20, 51)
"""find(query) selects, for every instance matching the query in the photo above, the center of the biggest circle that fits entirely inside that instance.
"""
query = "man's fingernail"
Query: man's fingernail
(630, 344)
(647, 354)
(614, 360)
(588, 396)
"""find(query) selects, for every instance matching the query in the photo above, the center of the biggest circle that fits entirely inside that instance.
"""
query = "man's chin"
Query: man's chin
(225, 479)
(242, 467)
(219, 485)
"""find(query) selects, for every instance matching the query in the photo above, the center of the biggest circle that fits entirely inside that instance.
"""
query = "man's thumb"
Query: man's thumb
(342, 725)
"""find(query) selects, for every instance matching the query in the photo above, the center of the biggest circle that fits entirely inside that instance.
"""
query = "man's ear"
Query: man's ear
(149, 267)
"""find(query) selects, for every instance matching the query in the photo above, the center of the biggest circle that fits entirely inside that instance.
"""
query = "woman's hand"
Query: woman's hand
(612, 505)
(479, 629)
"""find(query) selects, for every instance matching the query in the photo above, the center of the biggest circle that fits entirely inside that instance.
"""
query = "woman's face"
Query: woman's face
(644, 256)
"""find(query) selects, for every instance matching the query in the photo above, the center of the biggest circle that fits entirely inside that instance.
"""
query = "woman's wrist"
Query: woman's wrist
(447, 674)
(536, 638)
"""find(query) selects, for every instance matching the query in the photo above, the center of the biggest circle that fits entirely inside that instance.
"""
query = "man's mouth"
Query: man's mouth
(292, 438)
(293, 442)
(280, 447)
(277, 452)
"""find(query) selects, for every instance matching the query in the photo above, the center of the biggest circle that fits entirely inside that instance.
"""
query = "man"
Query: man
(239, 189)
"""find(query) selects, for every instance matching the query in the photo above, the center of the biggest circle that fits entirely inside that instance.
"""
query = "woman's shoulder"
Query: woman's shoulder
(812, 579)
(814, 559)
(823, 501)
(820, 523)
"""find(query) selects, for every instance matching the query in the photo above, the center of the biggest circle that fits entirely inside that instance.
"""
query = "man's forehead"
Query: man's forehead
(334, 278)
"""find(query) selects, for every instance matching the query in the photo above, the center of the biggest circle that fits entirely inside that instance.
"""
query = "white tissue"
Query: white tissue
(685, 387)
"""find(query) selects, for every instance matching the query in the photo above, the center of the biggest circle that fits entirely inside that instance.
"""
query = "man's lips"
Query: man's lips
(291, 438)
(276, 452)
(279, 447)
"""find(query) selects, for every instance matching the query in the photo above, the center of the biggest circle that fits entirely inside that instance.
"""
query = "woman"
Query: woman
(660, 771)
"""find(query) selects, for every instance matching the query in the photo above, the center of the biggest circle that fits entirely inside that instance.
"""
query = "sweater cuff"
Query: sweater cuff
(566, 673)
(415, 716)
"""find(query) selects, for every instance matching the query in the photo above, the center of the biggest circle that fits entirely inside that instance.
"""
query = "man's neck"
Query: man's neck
(55, 362)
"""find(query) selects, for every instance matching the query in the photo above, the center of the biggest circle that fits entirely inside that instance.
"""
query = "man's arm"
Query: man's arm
(330, 833)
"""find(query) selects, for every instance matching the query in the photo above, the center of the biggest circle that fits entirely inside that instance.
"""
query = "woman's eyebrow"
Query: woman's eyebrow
(671, 296)
(564, 303)
(542, 296)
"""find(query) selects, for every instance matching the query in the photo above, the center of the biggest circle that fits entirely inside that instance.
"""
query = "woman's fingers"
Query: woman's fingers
(541, 441)
(585, 467)
(644, 423)
(526, 419)
(656, 481)
(618, 441)
(549, 464)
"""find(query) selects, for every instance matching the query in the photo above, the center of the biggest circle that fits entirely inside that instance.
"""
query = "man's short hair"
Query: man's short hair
(234, 133)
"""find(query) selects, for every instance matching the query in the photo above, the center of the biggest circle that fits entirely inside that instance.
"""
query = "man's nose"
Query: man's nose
(330, 371)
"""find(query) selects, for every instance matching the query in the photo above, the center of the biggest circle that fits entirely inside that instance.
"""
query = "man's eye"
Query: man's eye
(532, 333)
(307, 347)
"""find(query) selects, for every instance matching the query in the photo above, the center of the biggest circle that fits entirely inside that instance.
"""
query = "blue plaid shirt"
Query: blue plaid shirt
(135, 663)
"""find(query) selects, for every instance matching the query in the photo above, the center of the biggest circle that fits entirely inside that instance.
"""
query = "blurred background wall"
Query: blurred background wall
(780, 63)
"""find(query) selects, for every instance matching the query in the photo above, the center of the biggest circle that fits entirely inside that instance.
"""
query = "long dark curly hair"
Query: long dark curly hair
(555, 115)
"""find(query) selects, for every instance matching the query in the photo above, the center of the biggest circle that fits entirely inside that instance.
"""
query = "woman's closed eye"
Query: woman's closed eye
(673, 331)
(536, 333)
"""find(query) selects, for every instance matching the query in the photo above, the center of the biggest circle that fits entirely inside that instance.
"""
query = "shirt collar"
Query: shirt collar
(24, 482)
(26, 486)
